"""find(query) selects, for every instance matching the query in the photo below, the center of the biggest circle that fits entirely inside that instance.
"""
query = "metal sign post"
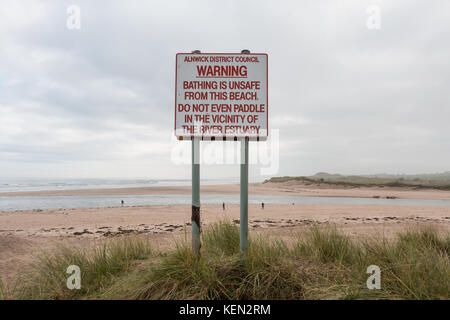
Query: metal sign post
(243, 214)
(243, 235)
(195, 218)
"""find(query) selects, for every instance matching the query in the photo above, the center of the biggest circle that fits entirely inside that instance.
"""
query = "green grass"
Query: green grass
(2, 293)
(322, 264)
(99, 267)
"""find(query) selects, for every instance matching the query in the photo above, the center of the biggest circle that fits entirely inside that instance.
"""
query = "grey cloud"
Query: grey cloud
(345, 98)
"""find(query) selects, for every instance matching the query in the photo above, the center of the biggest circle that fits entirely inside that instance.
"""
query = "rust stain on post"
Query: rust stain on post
(196, 215)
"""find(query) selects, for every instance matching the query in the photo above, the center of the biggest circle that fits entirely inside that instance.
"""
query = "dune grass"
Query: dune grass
(2, 293)
(437, 182)
(99, 267)
(323, 264)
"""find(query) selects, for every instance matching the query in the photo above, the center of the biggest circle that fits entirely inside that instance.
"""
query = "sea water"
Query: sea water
(92, 201)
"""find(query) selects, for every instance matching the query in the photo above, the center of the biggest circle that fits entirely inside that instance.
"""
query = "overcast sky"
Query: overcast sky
(99, 101)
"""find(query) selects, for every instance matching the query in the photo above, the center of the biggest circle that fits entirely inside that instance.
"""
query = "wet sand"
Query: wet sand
(285, 188)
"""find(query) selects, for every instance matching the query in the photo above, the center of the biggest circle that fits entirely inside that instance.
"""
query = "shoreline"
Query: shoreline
(254, 189)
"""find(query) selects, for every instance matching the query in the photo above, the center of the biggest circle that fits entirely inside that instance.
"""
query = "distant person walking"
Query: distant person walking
(223, 206)
(122, 203)
(262, 205)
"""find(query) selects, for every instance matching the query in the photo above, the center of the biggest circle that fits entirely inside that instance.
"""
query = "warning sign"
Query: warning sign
(221, 95)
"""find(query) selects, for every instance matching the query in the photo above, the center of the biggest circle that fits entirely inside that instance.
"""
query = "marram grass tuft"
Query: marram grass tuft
(323, 264)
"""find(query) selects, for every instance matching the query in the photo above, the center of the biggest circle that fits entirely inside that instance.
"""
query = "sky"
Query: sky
(345, 95)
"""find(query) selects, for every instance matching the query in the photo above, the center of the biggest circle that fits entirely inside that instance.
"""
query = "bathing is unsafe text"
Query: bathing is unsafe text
(221, 95)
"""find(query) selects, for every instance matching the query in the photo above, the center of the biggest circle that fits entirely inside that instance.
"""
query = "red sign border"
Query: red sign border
(258, 138)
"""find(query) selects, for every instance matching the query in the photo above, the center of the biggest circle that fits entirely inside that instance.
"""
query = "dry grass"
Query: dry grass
(324, 264)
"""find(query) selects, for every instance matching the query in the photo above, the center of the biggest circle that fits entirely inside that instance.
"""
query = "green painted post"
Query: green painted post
(195, 219)
(244, 198)
(243, 234)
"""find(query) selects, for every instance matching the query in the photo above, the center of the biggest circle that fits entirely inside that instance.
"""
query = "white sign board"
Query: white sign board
(221, 95)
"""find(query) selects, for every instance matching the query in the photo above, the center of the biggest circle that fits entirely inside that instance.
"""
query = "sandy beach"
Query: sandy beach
(23, 234)
(285, 188)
